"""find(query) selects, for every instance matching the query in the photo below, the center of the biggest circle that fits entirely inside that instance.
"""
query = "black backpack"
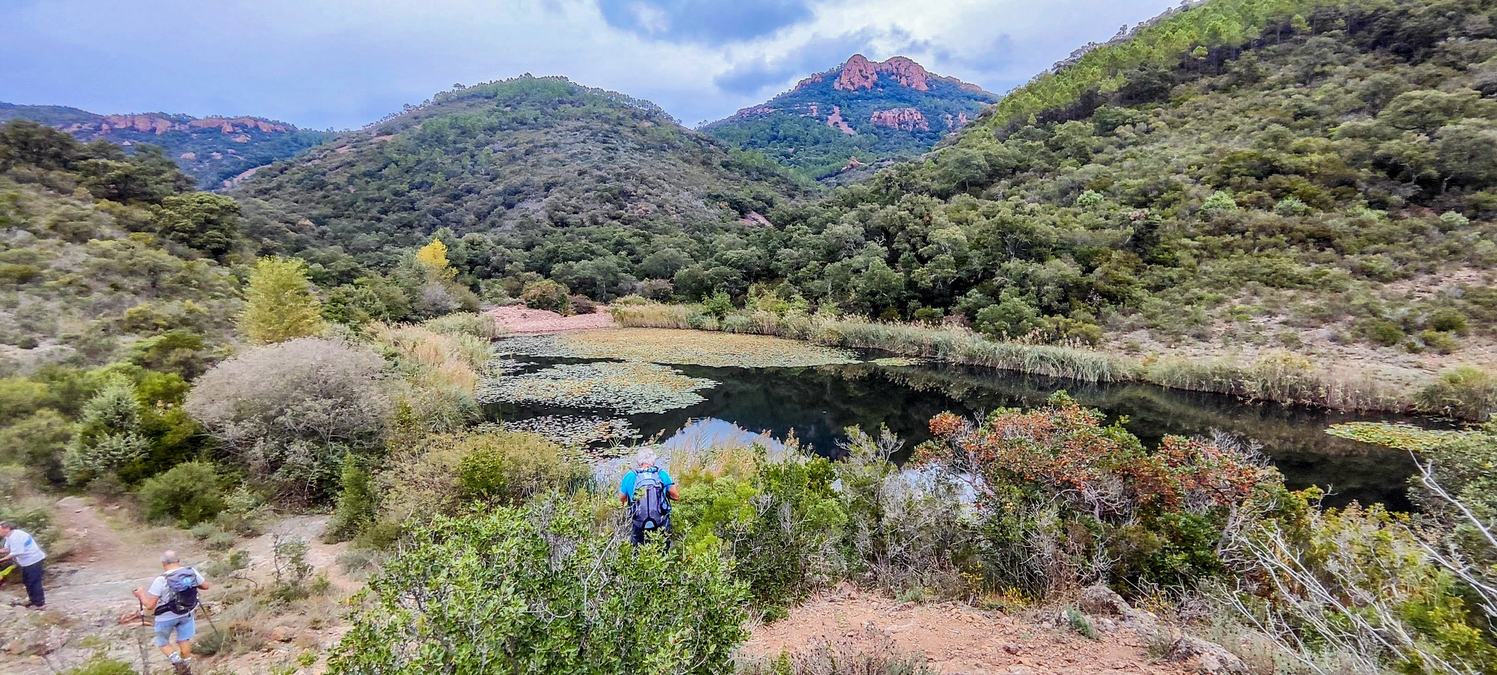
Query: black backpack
(181, 594)
(650, 504)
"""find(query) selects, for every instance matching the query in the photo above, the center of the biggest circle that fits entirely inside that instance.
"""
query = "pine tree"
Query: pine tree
(280, 304)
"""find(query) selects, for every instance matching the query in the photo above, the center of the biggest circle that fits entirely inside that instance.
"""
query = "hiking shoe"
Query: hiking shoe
(181, 668)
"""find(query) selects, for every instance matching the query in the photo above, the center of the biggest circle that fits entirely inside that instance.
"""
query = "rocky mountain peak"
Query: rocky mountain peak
(860, 73)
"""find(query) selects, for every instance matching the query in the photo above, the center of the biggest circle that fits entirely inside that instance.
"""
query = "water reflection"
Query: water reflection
(815, 405)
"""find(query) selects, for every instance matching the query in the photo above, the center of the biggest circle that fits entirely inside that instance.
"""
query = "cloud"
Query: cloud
(343, 63)
(703, 21)
(816, 54)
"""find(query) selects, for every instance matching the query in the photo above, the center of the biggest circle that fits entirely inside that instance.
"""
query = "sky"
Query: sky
(341, 64)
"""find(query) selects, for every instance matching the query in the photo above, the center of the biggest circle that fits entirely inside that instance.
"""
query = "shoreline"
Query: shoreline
(1279, 376)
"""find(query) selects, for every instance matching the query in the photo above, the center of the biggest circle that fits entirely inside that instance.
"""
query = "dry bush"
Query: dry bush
(286, 413)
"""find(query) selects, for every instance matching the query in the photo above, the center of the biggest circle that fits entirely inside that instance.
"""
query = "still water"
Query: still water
(816, 404)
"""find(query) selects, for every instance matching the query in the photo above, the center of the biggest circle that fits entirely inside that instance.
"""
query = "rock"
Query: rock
(1099, 600)
(1011, 648)
(860, 73)
(1205, 657)
(282, 634)
(835, 121)
(905, 119)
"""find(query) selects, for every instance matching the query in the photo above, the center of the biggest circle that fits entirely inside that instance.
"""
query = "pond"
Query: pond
(814, 404)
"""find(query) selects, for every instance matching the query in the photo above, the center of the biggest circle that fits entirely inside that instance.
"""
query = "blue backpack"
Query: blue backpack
(181, 594)
(650, 505)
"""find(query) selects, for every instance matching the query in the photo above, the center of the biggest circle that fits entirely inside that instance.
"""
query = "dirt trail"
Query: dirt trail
(110, 555)
(952, 638)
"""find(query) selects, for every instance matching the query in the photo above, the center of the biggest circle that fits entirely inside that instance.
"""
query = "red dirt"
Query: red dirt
(953, 638)
(521, 320)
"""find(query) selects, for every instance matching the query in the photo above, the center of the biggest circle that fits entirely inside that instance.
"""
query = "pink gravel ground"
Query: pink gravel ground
(521, 320)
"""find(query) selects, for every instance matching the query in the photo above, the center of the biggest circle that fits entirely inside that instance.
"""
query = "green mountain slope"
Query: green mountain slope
(1256, 173)
(99, 249)
(519, 164)
(859, 113)
(212, 150)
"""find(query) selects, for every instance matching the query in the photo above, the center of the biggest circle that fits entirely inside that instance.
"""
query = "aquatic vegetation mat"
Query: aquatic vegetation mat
(680, 347)
(626, 388)
(576, 431)
(1399, 436)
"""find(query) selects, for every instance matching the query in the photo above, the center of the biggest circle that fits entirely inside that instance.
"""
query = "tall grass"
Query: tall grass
(1276, 376)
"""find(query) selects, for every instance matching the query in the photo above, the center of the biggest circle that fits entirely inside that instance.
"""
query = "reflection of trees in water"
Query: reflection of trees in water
(817, 403)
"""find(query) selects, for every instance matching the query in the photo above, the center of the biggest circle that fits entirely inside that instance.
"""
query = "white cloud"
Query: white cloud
(323, 63)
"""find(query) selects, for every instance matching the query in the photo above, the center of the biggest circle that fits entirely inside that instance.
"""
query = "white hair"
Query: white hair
(645, 457)
(170, 557)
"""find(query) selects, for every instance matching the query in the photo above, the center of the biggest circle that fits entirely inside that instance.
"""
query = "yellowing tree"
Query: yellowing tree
(433, 257)
(280, 304)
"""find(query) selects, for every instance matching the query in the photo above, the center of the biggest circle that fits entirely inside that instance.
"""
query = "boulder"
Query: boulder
(1205, 657)
(1099, 600)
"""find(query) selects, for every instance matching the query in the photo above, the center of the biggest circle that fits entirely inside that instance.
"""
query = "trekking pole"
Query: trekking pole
(140, 641)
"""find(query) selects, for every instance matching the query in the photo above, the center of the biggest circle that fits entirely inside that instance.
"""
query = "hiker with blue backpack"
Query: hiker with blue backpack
(648, 491)
(172, 599)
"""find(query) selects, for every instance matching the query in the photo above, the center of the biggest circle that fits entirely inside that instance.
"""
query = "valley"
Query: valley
(1179, 357)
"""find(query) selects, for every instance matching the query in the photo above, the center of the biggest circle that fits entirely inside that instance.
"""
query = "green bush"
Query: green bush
(1467, 392)
(1381, 331)
(1447, 319)
(102, 665)
(508, 468)
(782, 526)
(548, 295)
(357, 504)
(718, 305)
(542, 589)
(187, 494)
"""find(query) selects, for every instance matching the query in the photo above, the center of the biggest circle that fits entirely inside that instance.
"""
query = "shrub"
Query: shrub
(1465, 391)
(102, 665)
(465, 323)
(287, 413)
(1381, 331)
(1440, 342)
(446, 470)
(582, 304)
(187, 494)
(109, 434)
(541, 588)
(37, 442)
(549, 295)
(357, 504)
(782, 527)
(1054, 488)
(280, 304)
(1447, 319)
(718, 305)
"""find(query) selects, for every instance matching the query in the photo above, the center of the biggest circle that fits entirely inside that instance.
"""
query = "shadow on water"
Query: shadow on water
(817, 403)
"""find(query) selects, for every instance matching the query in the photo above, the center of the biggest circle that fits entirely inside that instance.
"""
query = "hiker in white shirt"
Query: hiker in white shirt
(172, 599)
(21, 547)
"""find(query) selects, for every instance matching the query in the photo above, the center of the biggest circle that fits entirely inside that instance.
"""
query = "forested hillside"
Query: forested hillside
(213, 150)
(101, 248)
(1241, 172)
(550, 173)
(858, 114)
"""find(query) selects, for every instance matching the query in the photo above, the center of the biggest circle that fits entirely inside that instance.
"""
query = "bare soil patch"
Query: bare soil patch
(953, 638)
(521, 320)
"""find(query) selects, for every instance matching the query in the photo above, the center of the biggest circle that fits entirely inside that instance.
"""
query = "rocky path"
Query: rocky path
(109, 555)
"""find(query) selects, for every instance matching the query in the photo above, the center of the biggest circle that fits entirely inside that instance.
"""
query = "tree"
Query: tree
(280, 305)
(433, 258)
(109, 433)
(206, 222)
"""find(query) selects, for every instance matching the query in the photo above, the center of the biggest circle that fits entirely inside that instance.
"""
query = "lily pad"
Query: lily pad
(626, 388)
(577, 431)
(679, 347)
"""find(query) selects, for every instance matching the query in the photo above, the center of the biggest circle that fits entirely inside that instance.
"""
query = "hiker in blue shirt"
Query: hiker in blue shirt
(648, 491)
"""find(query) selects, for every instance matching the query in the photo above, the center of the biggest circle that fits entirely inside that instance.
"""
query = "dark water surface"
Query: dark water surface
(817, 403)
